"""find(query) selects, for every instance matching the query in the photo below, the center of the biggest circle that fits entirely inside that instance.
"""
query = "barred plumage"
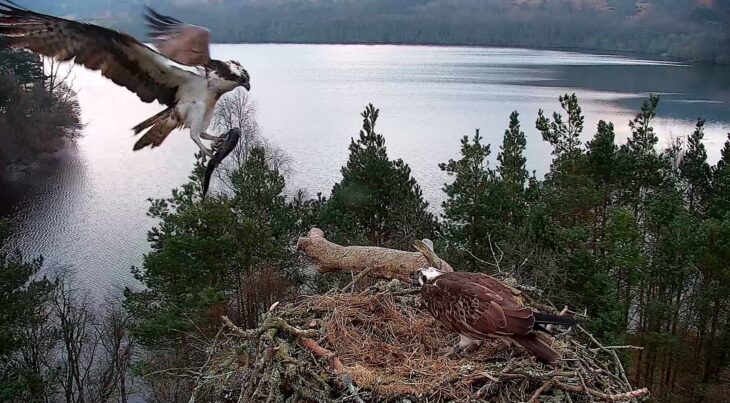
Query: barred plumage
(478, 306)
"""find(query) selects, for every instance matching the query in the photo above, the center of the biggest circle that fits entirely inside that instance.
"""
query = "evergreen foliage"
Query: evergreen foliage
(685, 29)
(513, 171)
(472, 210)
(22, 295)
(634, 237)
(38, 112)
(377, 202)
(206, 253)
(696, 172)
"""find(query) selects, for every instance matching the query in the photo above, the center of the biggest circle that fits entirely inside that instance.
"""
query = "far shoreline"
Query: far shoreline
(600, 52)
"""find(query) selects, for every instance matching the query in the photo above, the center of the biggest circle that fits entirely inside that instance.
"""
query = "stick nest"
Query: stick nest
(380, 345)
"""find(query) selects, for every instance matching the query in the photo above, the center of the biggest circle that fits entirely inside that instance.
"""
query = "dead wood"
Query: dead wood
(382, 263)
(379, 344)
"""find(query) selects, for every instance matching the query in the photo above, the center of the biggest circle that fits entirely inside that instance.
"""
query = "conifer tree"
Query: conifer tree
(695, 171)
(643, 139)
(601, 152)
(377, 202)
(720, 199)
(22, 297)
(640, 167)
(473, 206)
(512, 170)
(563, 136)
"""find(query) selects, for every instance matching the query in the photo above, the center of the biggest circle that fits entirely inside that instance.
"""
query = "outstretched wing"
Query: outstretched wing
(184, 43)
(118, 56)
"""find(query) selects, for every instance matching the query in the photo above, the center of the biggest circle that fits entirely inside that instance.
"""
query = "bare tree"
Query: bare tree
(236, 110)
(38, 343)
(78, 340)
(113, 381)
(59, 81)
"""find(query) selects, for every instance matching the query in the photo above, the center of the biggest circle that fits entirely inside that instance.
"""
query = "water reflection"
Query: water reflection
(86, 208)
(687, 92)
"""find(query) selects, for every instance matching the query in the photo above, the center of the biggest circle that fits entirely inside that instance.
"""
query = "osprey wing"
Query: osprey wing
(475, 309)
(118, 56)
(184, 43)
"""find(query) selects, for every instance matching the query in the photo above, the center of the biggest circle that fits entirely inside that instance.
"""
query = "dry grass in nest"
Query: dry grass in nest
(379, 345)
(395, 349)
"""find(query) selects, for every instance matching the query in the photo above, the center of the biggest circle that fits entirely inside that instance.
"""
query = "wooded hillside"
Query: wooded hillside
(682, 29)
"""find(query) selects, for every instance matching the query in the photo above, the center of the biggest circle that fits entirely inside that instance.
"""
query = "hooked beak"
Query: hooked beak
(247, 86)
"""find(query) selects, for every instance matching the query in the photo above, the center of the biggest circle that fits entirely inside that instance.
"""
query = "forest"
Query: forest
(688, 30)
(635, 238)
(39, 113)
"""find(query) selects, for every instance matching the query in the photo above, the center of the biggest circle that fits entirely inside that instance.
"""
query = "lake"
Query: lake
(86, 207)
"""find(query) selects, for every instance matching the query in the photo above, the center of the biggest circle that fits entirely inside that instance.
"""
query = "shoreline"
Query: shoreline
(600, 52)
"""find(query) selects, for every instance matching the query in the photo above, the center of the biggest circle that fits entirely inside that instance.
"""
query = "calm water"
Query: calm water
(86, 208)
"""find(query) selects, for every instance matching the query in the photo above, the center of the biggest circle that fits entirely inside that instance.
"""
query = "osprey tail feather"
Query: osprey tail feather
(547, 319)
(541, 350)
(160, 126)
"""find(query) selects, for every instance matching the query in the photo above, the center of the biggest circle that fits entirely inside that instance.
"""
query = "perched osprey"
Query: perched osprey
(151, 74)
(478, 306)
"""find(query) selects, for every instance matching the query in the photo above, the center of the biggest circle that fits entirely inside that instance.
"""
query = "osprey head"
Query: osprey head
(231, 72)
(428, 274)
(240, 74)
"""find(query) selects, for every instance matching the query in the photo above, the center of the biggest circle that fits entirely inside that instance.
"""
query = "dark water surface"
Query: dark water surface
(86, 207)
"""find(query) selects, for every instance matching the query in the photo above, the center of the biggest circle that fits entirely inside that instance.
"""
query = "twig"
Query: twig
(619, 397)
(536, 396)
(276, 323)
(356, 280)
(619, 365)
(319, 351)
(626, 347)
(476, 258)
(494, 256)
(583, 382)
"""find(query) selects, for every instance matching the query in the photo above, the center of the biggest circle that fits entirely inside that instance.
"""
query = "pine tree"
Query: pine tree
(639, 167)
(563, 136)
(720, 199)
(725, 155)
(643, 139)
(695, 171)
(206, 253)
(601, 152)
(512, 170)
(22, 296)
(474, 205)
(377, 202)
(258, 196)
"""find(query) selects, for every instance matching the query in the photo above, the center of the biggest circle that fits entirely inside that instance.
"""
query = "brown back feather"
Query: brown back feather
(477, 305)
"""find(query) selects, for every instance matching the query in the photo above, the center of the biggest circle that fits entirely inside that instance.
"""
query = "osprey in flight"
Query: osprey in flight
(478, 306)
(151, 74)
